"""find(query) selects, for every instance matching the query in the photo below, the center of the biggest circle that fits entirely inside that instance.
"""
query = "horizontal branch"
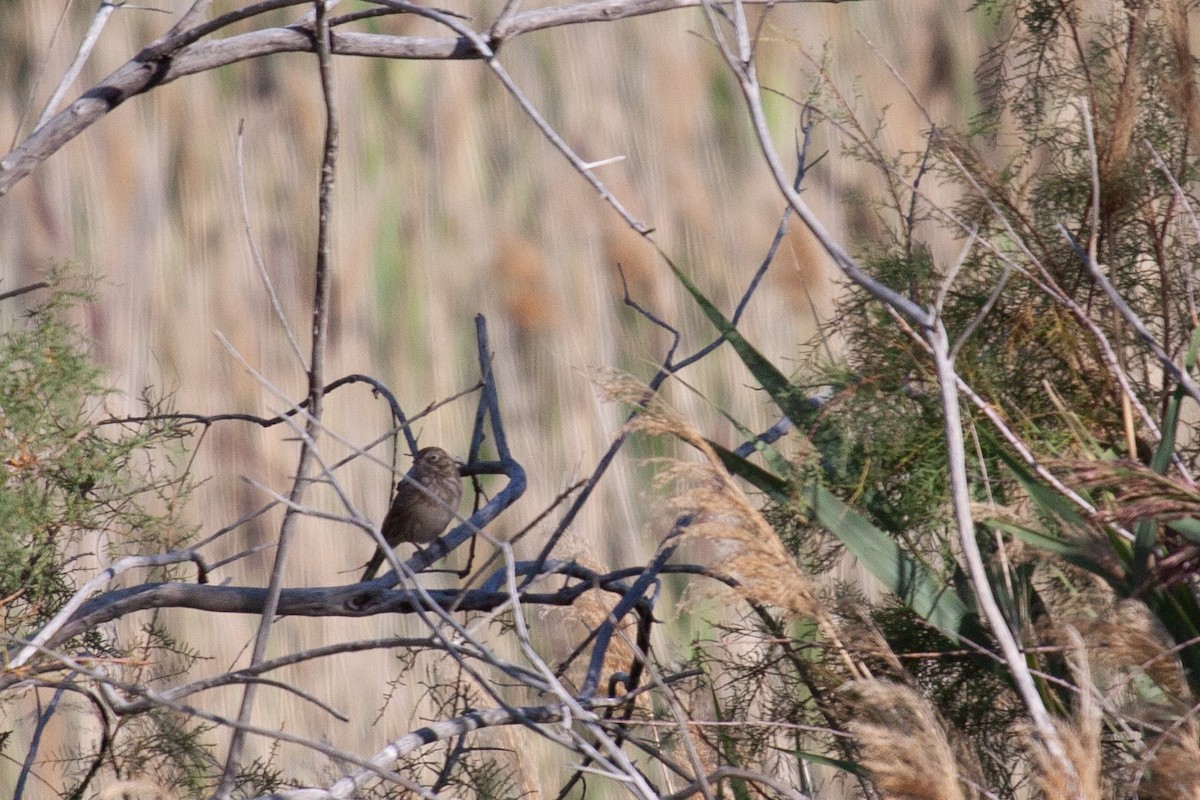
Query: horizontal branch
(355, 600)
(434, 732)
(178, 55)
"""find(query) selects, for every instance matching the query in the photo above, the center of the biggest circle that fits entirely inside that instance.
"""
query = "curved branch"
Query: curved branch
(179, 54)
(52, 632)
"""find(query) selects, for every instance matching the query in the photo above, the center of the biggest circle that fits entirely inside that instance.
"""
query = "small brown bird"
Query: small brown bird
(419, 516)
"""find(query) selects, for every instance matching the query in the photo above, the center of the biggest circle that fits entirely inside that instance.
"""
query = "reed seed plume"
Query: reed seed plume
(1080, 737)
(1137, 492)
(902, 742)
(1131, 643)
(1173, 771)
(719, 511)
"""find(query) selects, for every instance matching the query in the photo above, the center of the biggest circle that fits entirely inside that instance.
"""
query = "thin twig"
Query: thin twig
(316, 385)
(106, 685)
(85, 592)
(35, 84)
(256, 254)
(85, 50)
(748, 81)
(32, 287)
(488, 54)
(1089, 258)
(960, 497)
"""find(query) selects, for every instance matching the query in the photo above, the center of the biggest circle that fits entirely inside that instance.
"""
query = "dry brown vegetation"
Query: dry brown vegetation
(901, 598)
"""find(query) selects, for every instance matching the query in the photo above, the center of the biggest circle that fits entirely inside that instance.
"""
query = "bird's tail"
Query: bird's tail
(372, 566)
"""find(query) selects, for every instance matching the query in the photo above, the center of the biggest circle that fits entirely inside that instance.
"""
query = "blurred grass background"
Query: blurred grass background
(448, 203)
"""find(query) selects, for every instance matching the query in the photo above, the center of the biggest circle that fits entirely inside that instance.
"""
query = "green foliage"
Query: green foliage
(1041, 347)
(260, 777)
(166, 746)
(66, 478)
(72, 486)
(47, 473)
(904, 575)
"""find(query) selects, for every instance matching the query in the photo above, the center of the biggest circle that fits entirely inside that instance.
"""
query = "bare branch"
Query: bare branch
(181, 53)
(435, 731)
(316, 387)
(31, 287)
(52, 630)
(1089, 258)
(744, 71)
(85, 49)
(960, 497)
(107, 686)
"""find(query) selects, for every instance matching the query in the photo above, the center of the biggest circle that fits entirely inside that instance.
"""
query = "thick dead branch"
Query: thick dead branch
(183, 53)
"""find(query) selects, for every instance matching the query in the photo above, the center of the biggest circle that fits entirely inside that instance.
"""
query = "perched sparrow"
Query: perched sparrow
(420, 515)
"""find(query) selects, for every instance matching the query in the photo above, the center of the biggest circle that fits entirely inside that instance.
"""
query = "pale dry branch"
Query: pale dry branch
(441, 730)
(488, 54)
(85, 50)
(51, 630)
(184, 51)
(108, 686)
(960, 497)
(1089, 257)
(316, 388)
(722, 774)
(746, 74)
(1185, 202)
(933, 331)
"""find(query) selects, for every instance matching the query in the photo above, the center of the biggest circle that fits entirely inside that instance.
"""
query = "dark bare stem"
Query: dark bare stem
(669, 365)
(32, 287)
(316, 389)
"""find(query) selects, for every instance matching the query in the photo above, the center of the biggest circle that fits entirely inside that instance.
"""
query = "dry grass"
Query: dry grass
(1080, 737)
(1173, 771)
(447, 204)
(902, 742)
(716, 510)
(1133, 491)
(1125, 642)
